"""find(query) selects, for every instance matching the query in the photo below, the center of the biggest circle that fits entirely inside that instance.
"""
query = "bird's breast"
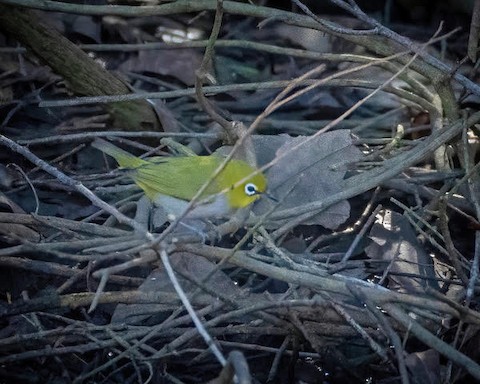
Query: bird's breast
(217, 207)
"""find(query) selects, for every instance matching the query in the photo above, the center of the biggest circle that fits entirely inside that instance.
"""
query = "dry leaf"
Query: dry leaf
(311, 172)
(178, 63)
(195, 266)
(394, 241)
(424, 366)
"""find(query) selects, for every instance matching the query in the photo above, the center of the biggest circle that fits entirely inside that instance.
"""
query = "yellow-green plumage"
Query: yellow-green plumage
(182, 177)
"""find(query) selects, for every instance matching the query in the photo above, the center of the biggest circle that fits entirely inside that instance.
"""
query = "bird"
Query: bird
(172, 181)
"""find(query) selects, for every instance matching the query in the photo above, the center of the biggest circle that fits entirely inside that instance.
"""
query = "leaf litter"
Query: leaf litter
(292, 303)
(313, 170)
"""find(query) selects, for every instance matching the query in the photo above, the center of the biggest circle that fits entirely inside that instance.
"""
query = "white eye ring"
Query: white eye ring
(251, 189)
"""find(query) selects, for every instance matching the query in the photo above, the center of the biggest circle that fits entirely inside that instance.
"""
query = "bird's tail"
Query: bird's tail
(123, 158)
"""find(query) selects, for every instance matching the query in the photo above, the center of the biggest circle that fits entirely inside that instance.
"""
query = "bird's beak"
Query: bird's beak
(271, 197)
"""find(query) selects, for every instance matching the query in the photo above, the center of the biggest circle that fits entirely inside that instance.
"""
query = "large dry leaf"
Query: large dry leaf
(307, 170)
(178, 63)
(18, 232)
(187, 264)
(424, 366)
(394, 241)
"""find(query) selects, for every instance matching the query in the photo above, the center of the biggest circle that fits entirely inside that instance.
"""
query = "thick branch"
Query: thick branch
(82, 74)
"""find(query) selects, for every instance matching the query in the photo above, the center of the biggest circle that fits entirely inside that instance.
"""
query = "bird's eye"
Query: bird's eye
(250, 189)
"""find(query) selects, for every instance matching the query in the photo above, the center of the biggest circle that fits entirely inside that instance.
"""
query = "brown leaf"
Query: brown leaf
(184, 263)
(178, 63)
(394, 240)
(424, 366)
(314, 170)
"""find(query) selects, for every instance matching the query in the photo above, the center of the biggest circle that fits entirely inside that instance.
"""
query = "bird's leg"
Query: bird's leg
(142, 215)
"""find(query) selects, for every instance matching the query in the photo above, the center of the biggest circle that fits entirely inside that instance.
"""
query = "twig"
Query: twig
(79, 187)
(370, 179)
(336, 283)
(360, 234)
(255, 11)
(202, 74)
(333, 27)
(278, 358)
(453, 254)
(236, 370)
(473, 182)
(338, 307)
(186, 303)
(57, 222)
(474, 36)
(27, 179)
(432, 341)
(389, 331)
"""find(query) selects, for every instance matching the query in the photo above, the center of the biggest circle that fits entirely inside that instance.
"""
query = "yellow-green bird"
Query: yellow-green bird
(171, 182)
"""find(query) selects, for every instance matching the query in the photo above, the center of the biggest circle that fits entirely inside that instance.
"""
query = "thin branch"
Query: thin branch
(433, 341)
(76, 185)
(234, 7)
(186, 303)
